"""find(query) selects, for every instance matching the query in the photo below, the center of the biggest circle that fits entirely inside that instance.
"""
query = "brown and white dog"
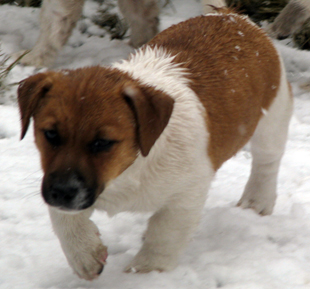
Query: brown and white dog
(149, 133)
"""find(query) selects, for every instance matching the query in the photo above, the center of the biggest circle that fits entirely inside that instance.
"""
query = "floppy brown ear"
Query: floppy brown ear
(30, 92)
(152, 109)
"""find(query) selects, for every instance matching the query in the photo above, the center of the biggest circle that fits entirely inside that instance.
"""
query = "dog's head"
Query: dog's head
(89, 124)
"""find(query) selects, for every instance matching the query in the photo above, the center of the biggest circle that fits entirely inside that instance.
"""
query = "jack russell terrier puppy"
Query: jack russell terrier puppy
(149, 133)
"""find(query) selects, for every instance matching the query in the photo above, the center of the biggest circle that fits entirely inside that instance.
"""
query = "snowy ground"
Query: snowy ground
(233, 248)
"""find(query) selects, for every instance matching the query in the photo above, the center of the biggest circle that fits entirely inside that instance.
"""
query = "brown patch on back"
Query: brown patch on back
(234, 70)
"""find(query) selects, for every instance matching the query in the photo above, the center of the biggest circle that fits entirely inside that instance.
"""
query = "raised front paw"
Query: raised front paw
(87, 261)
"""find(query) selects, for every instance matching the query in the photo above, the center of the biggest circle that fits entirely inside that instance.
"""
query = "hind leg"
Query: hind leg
(267, 147)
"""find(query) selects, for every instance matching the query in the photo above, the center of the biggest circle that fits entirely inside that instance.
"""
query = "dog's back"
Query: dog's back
(227, 65)
(229, 86)
(234, 70)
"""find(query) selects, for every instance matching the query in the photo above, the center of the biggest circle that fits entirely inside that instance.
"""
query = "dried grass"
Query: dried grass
(5, 69)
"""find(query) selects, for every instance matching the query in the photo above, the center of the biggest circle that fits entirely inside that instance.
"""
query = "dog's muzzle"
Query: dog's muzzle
(67, 191)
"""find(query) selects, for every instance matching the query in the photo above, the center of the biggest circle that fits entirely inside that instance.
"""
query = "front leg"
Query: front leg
(168, 232)
(80, 241)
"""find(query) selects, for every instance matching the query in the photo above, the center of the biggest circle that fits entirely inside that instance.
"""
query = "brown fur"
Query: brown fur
(81, 109)
(221, 73)
(233, 72)
(91, 103)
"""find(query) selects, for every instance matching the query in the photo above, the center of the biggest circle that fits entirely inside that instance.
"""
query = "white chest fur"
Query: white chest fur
(178, 158)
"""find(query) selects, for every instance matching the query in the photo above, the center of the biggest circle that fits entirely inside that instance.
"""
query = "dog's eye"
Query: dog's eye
(52, 137)
(101, 145)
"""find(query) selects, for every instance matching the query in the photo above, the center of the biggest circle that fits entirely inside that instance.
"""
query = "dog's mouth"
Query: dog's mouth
(67, 192)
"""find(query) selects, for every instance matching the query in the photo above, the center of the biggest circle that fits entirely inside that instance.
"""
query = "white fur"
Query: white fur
(173, 180)
(267, 147)
(80, 241)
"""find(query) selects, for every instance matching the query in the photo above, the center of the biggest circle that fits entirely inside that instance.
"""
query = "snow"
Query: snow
(232, 249)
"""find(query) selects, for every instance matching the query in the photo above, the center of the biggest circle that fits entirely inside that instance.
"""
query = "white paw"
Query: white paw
(87, 261)
(145, 262)
(262, 207)
(80, 240)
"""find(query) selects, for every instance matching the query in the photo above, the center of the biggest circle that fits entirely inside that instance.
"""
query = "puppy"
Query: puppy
(148, 135)
(58, 18)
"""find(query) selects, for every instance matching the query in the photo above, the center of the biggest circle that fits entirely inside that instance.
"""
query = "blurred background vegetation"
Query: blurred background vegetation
(257, 10)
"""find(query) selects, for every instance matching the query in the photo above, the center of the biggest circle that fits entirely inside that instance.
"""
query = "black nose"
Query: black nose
(67, 191)
(62, 194)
